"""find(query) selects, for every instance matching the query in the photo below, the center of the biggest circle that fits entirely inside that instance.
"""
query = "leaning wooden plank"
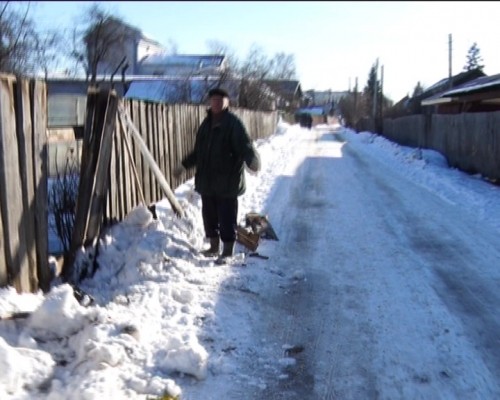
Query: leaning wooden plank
(15, 315)
(40, 176)
(131, 163)
(91, 140)
(11, 192)
(146, 172)
(152, 164)
(4, 273)
(3, 265)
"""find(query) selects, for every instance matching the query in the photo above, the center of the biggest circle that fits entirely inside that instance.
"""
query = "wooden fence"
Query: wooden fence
(23, 185)
(168, 132)
(469, 141)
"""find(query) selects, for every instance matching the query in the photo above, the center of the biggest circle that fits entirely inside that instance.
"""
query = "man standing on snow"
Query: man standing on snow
(221, 147)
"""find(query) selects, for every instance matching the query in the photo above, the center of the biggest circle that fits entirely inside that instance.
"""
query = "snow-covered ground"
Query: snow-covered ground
(165, 320)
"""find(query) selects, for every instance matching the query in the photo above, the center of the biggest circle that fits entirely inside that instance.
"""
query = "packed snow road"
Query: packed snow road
(392, 295)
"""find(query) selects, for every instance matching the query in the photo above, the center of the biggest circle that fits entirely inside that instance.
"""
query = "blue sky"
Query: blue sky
(333, 42)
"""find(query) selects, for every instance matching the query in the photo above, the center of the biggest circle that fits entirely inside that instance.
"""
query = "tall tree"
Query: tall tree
(418, 90)
(371, 89)
(231, 62)
(48, 49)
(474, 59)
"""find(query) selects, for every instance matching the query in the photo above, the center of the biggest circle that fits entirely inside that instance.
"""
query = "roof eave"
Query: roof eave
(439, 100)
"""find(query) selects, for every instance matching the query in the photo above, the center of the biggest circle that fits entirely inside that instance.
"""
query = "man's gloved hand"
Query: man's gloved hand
(254, 165)
(178, 171)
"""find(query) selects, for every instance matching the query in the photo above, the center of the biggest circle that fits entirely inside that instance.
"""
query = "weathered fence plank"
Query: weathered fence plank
(134, 115)
(114, 202)
(38, 93)
(25, 144)
(10, 191)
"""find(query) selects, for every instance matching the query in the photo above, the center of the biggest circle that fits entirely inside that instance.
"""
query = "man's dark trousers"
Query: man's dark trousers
(220, 217)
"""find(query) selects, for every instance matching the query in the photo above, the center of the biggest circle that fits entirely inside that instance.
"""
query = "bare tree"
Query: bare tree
(229, 74)
(17, 34)
(63, 194)
(48, 48)
(283, 67)
(172, 47)
(100, 43)
(351, 108)
(253, 71)
(256, 65)
(218, 47)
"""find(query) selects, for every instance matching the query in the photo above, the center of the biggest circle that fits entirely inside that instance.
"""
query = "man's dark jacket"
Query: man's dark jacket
(219, 154)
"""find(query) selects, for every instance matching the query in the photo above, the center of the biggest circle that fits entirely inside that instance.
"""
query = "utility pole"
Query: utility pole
(449, 61)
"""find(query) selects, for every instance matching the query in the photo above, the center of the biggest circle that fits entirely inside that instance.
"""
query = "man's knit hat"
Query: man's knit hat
(218, 92)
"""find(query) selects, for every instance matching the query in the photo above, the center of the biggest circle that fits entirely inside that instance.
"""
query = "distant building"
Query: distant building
(288, 93)
(327, 100)
(414, 105)
(145, 56)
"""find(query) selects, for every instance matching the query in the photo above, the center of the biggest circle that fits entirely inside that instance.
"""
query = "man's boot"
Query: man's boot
(213, 250)
(227, 252)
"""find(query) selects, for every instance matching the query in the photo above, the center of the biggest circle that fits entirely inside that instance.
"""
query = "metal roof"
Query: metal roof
(289, 87)
(311, 110)
(189, 60)
(476, 85)
(176, 90)
(485, 82)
